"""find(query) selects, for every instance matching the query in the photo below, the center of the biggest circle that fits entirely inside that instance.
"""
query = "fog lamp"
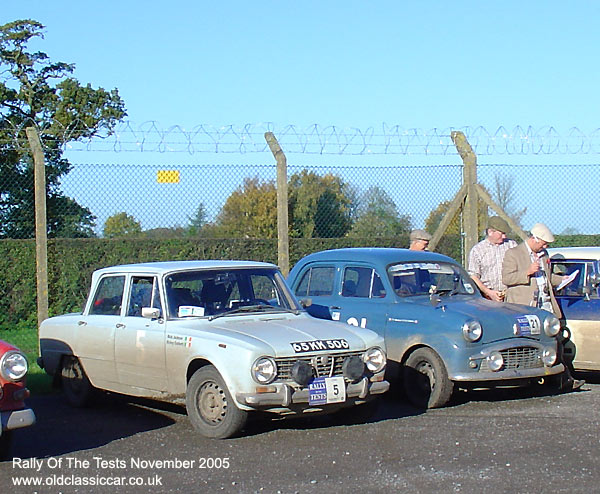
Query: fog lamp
(302, 372)
(549, 356)
(495, 361)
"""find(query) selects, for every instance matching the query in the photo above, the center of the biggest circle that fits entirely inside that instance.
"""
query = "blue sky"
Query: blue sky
(416, 64)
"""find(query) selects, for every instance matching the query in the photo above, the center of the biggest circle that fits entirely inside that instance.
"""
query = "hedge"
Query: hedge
(72, 261)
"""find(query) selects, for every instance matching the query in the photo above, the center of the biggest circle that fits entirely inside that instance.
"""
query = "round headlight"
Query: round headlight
(13, 366)
(495, 361)
(551, 326)
(264, 370)
(374, 359)
(549, 356)
(472, 330)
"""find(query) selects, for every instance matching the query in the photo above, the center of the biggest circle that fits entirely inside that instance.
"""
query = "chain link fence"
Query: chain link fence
(178, 198)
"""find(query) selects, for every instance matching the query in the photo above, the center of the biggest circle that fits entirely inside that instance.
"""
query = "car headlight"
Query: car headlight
(549, 356)
(551, 326)
(264, 370)
(495, 361)
(374, 359)
(472, 330)
(13, 366)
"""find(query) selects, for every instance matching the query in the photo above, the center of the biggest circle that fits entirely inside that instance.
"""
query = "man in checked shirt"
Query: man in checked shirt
(486, 257)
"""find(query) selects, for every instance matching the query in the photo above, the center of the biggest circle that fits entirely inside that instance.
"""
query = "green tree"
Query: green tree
(250, 211)
(198, 221)
(319, 206)
(377, 216)
(121, 225)
(35, 91)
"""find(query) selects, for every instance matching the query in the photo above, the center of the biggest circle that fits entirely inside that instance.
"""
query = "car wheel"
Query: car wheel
(5, 442)
(426, 380)
(210, 407)
(76, 386)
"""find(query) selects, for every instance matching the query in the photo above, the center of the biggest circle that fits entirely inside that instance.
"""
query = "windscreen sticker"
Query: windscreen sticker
(319, 345)
(190, 310)
(469, 288)
(415, 265)
(529, 324)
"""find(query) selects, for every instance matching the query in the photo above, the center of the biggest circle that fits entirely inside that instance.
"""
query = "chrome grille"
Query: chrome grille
(518, 358)
(331, 367)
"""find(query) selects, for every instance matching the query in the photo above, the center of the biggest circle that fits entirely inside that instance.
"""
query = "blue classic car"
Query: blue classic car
(439, 331)
(580, 303)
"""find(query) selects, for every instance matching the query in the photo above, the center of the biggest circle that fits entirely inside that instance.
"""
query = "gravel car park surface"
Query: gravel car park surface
(486, 441)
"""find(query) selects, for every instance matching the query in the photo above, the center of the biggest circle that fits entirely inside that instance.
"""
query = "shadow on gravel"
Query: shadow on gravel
(61, 429)
(386, 407)
(461, 397)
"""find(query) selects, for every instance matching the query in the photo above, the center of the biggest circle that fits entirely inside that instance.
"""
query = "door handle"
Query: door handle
(335, 307)
(120, 325)
(81, 323)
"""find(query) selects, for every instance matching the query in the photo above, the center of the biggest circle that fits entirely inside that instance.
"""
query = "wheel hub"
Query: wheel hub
(212, 402)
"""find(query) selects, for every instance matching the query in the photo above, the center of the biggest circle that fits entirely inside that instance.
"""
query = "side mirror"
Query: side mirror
(305, 302)
(150, 312)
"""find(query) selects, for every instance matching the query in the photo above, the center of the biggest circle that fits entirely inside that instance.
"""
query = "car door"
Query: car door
(352, 293)
(94, 343)
(317, 282)
(580, 304)
(362, 298)
(139, 341)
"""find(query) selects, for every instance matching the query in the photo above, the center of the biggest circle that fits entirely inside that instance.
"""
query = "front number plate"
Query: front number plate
(324, 390)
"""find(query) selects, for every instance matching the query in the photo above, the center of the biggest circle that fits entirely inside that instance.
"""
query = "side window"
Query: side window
(109, 296)
(144, 293)
(317, 281)
(362, 282)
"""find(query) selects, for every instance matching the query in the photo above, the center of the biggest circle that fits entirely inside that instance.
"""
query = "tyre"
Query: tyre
(210, 407)
(76, 386)
(5, 442)
(426, 380)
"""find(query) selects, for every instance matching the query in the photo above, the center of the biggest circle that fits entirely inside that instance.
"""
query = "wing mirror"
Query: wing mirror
(150, 312)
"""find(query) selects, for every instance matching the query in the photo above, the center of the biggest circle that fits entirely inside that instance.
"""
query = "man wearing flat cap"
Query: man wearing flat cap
(486, 257)
(419, 240)
(526, 273)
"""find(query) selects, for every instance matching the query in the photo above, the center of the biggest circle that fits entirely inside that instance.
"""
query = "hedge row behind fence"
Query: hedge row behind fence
(71, 262)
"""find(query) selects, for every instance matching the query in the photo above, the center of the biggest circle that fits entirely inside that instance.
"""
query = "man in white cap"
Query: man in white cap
(419, 240)
(486, 257)
(526, 274)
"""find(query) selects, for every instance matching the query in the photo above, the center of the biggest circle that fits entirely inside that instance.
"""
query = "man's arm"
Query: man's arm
(487, 292)
(512, 275)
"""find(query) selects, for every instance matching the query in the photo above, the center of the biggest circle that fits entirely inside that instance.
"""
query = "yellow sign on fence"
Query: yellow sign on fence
(167, 176)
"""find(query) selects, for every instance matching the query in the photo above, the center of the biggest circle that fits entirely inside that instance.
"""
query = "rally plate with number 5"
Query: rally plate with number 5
(325, 390)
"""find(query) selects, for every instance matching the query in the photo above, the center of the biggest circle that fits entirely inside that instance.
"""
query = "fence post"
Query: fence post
(41, 236)
(283, 245)
(471, 206)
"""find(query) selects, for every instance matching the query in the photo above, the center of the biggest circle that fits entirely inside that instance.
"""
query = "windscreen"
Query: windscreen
(211, 292)
(424, 278)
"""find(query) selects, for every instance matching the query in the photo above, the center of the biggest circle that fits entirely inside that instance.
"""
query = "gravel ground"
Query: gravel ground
(486, 441)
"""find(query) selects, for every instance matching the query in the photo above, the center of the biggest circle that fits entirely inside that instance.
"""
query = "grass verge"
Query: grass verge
(26, 340)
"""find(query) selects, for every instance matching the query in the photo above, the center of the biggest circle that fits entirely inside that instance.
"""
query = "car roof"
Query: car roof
(170, 266)
(379, 255)
(575, 252)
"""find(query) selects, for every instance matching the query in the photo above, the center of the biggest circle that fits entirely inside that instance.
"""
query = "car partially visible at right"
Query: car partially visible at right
(579, 301)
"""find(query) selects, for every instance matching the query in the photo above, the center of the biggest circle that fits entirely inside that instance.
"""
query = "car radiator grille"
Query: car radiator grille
(518, 358)
(325, 365)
